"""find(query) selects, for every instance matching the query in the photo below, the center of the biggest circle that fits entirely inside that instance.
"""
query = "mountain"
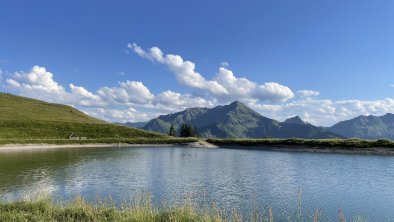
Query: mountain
(235, 120)
(295, 120)
(135, 124)
(366, 127)
(24, 118)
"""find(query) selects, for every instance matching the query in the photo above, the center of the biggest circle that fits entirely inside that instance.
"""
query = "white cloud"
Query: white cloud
(39, 83)
(129, 101)
(84, 97)
(392, 85)
(242, 88)
(307, 93)
(184, 70)
(325, 112)
(225, 85)
(274, 92)
(133, 101)
(127, 92)
(38, 79)
(120, 115)
(238, 87)
(174, 102)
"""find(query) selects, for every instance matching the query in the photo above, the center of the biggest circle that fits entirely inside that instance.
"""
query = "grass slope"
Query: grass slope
(80, 210)
(28, 119)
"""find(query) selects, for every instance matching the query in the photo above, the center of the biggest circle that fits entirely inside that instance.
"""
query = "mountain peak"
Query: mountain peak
(237, 103)
(295, 120)
(241, 107)
(367, 127)
(237, 120)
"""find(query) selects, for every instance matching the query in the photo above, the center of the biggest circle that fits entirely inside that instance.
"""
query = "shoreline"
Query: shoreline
(308, 149)
(45, 146)
(205, 145)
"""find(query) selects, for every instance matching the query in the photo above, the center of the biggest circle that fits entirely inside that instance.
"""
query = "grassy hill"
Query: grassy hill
(24, 118)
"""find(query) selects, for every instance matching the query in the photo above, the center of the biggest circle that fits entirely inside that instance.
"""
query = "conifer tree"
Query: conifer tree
(172, 131)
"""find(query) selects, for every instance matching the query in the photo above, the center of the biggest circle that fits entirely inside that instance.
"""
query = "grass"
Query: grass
(167, 140)
(140, 210)
(325, 143)
(24, 120)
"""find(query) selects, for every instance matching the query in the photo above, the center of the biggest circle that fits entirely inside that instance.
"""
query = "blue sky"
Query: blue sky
(344, 50)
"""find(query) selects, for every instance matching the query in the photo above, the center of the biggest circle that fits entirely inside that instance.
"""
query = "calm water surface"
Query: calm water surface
(242, 179)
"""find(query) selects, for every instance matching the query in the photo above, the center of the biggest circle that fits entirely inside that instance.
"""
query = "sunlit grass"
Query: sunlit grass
(167, 140)
(141, 209)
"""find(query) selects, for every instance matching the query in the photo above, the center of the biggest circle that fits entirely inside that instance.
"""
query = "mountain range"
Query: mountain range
(367, 127)
(236, 120)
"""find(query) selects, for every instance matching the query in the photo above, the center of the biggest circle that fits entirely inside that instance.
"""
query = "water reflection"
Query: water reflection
(242, 179)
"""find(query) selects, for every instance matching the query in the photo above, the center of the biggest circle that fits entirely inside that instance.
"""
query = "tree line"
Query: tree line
(186, 130)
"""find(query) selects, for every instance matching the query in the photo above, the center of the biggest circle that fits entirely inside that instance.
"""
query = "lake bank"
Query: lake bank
(308, 149)
(46, 146)
(345, 146)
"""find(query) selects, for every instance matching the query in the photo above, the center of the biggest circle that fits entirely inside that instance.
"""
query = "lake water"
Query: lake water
(360, 185)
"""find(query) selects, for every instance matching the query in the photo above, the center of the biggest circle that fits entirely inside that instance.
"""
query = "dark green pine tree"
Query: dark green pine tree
(172, 131)
(196, 132)
(187, 130)
(183, 131)
(190, 131)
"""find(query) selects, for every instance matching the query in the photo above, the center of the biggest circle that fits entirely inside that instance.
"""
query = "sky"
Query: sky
(326, 61)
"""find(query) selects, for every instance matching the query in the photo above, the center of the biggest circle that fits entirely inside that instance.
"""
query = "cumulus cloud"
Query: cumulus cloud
(184, 70)
(273, 91)
(133, 101)
(325, 112)
(129, 101)
(225, 85)
(242, 88)
(39, 83)
(173, 102)
(83, 97)
(128, 92)
(120, 114)
(237, 86)
(37, 79)
(307, 93)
